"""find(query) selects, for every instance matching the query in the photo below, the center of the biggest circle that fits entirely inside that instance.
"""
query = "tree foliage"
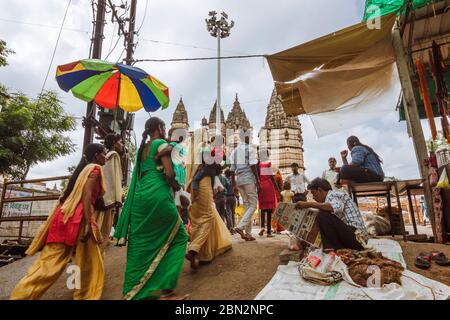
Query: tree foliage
(33, 131)
(4, 52)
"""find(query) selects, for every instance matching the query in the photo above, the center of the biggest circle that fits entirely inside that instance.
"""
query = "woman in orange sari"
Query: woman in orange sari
(277, 228)
(70, 228)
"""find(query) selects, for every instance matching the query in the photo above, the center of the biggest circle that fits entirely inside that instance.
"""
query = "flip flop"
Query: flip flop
(440, 258)
(423, 261)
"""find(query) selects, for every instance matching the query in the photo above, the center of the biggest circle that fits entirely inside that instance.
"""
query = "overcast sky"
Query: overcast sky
(31, 28)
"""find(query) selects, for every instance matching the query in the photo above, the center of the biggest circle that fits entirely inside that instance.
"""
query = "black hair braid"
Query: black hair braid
(151, 125)
(88, 156)
(141, 150)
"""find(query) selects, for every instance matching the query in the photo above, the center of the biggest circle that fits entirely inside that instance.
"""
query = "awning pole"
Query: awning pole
(412, 116)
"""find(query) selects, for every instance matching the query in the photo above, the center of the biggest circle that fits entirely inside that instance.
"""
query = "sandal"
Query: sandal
(173, 297)
(440, 258)
(261, 233)
(269, 235)
(423, 261)
(191, 257)
(241, 233)
(249, 238)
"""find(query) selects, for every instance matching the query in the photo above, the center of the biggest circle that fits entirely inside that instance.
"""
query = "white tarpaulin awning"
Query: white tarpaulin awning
(342, 79)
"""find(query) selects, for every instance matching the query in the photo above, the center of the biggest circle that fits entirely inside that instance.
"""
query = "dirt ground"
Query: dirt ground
(412, 249)
(240, 273)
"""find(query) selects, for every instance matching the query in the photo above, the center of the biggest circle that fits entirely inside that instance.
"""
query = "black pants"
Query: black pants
(269, 220)
(335, 233)
(358, 174)
(221, 207)
(231, 208)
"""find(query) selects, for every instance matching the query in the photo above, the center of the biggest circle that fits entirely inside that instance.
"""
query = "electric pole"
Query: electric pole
(96, 54)
(129, 61)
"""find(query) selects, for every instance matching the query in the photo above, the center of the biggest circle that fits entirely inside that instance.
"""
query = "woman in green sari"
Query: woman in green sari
(150, 222)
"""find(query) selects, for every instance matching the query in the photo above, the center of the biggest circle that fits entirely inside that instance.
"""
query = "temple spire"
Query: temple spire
(180, 117)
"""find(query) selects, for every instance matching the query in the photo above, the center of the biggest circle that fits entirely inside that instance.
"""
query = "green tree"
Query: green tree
(4, 52)
(70, 170)
(33, 131)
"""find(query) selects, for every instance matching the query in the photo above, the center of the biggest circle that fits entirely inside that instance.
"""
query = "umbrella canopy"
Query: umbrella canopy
(113, 84)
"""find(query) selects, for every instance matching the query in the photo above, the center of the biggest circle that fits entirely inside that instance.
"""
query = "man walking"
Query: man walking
(245, 178)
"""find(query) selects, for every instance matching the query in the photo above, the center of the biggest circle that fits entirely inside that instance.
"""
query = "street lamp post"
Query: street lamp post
(219, 28)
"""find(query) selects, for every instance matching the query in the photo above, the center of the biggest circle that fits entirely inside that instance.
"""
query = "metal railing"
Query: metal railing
(22, 219)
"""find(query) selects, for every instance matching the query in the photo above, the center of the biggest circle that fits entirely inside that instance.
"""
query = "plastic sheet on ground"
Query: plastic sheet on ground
(287, 284)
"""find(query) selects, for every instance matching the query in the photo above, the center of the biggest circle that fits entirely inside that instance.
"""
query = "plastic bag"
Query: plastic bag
(443, 182)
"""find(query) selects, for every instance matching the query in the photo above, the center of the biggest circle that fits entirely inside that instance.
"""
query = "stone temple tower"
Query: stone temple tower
(282, 136)
(236, 120)
(212, 121)
(180, 117)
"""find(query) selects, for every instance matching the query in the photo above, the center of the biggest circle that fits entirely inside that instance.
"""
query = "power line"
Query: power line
(106, 34)
(145, 15)
(188, 46)
(204, 58)
(43, 25)
(56, 45)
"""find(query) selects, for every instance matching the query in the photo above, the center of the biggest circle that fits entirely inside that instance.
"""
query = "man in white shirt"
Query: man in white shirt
(331, 174)
(340, 222)
(245, 178)
(298, 183)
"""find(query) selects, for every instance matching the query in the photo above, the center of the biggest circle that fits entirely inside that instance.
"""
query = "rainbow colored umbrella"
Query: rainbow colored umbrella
(113, 84)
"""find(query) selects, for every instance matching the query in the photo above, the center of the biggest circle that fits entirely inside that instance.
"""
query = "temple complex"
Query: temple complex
(282, 136)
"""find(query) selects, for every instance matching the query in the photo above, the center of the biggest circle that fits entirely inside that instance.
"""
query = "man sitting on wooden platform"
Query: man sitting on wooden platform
(340, 222)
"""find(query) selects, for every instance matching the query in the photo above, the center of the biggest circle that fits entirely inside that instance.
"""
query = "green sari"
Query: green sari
(156, 237)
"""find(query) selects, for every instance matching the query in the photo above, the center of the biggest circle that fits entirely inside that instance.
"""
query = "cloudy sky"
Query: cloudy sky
(176, 29)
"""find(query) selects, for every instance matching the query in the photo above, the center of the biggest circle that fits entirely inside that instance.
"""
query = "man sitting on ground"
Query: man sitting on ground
(340, 222)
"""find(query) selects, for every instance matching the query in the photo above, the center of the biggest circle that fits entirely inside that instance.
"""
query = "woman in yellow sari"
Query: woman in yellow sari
(70, 229)
(209, 236)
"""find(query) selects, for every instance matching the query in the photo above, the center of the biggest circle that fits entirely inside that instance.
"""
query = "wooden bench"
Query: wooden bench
(379, 189)
(411, 188)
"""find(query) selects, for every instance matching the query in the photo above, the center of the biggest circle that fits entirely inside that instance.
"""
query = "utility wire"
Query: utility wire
(205, 58)
(43, 25)
(145, 15)
(107, 34)
(56, 46)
